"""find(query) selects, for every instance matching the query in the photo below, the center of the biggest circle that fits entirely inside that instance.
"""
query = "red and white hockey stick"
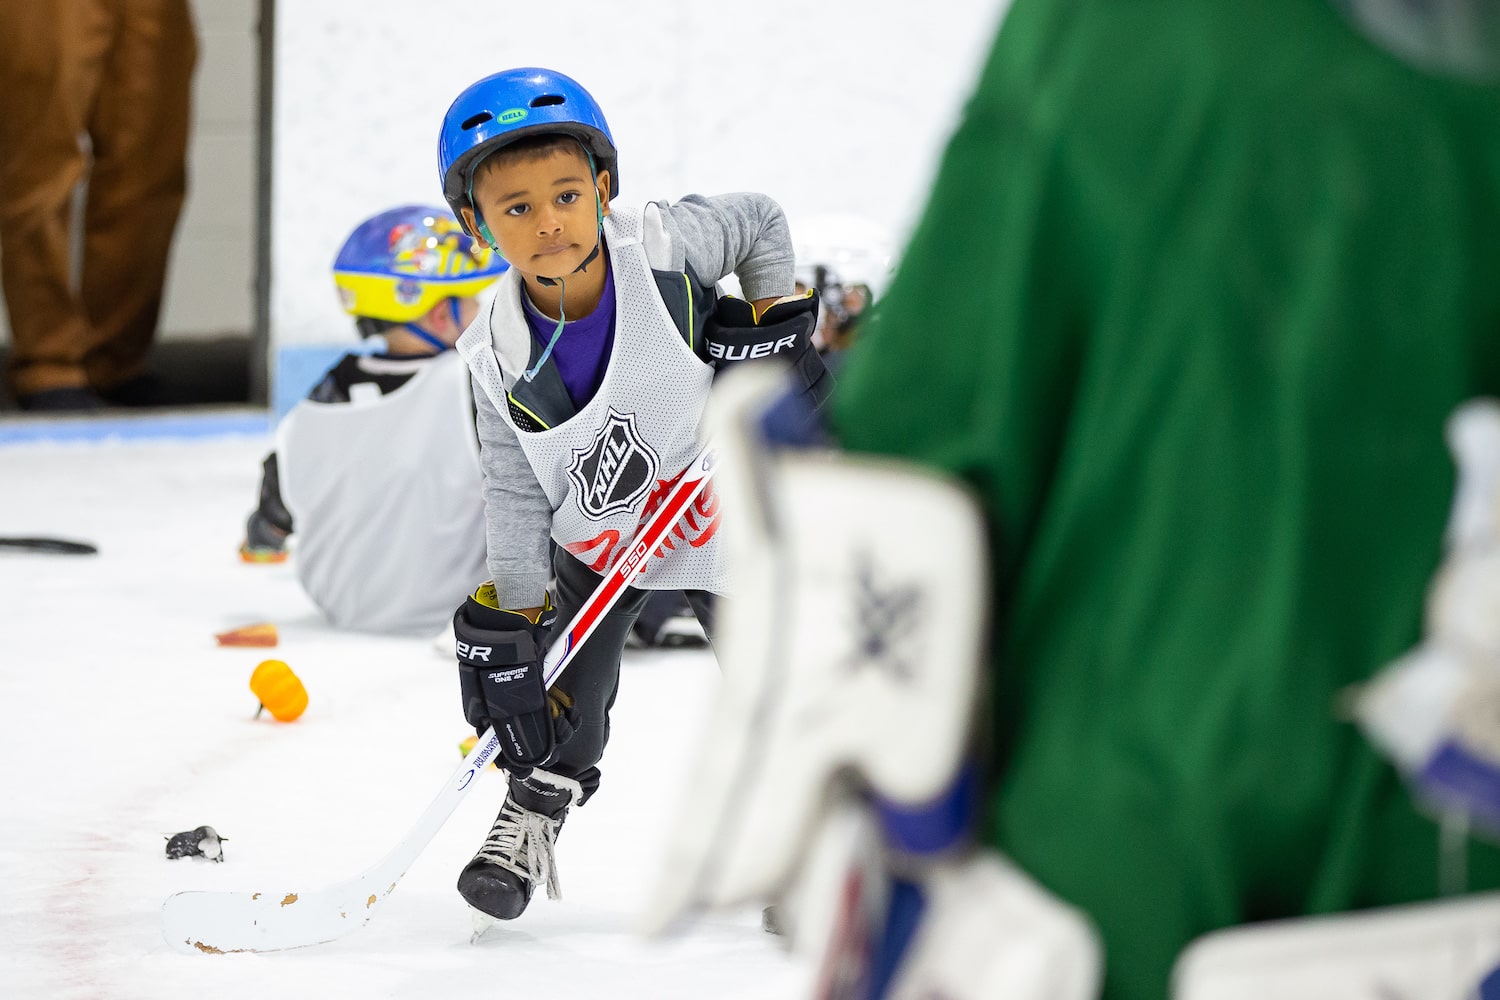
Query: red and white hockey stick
(225, 922)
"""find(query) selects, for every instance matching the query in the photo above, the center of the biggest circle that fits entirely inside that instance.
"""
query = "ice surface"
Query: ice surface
(124, 722)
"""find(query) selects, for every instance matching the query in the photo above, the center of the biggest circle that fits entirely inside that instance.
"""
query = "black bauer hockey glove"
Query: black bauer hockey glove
(734, 334)
(500, 679)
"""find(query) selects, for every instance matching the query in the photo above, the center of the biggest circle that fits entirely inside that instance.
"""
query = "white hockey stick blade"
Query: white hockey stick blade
(225, 922)
(220, 923)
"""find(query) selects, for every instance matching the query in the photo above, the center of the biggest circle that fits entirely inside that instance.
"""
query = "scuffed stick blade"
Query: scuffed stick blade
(224, 922)
(218, 923)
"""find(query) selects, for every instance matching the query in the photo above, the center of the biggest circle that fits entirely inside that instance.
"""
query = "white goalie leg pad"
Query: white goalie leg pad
(1463, 604)
(1430, 951)
(846, 847)
(989, 930)
(1406, 710)
(1473, 437)
(852, 640)
(839, 902)
(1431, 711)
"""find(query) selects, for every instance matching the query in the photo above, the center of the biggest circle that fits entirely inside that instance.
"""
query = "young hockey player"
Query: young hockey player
(1196, 289)
(377, 470)
(591, 370)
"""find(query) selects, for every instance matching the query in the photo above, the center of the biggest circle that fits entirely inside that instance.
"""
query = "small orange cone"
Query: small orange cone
(280, 691)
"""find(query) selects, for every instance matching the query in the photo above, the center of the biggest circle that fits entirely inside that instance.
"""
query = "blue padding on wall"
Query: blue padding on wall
(298, 369)
(167, 426)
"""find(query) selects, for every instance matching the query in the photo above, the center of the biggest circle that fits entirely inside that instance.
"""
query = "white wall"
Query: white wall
(211, 275)
(838, 106)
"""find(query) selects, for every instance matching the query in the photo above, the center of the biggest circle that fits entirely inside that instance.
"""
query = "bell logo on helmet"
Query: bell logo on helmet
(513, 115)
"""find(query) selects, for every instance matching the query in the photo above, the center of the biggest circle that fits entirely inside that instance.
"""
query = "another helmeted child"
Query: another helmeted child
(378, 469)
(591, 369)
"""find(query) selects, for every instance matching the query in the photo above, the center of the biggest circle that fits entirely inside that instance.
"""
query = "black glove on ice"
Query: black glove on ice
(500, 679)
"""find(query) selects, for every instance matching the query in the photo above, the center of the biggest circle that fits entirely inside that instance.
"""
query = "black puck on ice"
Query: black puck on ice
(200, 842)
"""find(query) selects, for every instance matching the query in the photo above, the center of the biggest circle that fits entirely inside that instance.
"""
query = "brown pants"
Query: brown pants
(119, 72)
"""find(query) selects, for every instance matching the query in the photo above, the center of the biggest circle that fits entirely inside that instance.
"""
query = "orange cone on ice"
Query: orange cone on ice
(280, 691)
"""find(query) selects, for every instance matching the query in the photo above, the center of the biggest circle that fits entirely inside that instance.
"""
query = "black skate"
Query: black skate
(518, 853)
(666, 621)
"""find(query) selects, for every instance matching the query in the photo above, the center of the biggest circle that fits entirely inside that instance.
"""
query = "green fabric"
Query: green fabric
(1198, 284)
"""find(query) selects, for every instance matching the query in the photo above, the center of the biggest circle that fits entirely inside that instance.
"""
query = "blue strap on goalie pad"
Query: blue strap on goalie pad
(1457, 780)
(937, 825)
(903, 916)
(1489, 989)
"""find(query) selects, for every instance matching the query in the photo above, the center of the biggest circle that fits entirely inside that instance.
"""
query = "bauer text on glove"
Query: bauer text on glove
(736, 333)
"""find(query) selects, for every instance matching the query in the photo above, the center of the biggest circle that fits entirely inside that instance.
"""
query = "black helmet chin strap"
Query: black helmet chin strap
(593, 256)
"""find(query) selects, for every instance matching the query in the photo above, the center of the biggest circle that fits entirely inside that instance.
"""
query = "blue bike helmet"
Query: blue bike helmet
(511, 105)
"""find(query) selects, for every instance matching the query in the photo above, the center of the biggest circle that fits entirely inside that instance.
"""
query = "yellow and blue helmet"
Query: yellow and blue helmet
(397, 265)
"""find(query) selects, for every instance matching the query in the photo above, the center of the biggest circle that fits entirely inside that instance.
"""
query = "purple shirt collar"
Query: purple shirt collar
(582, 352)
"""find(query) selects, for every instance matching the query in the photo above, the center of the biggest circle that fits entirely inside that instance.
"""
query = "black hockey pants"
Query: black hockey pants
(594, 675)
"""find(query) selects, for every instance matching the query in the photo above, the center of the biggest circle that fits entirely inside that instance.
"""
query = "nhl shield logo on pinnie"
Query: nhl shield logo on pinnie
(615, 470)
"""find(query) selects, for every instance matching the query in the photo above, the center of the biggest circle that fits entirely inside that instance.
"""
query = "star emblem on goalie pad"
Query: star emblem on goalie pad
(886, 619)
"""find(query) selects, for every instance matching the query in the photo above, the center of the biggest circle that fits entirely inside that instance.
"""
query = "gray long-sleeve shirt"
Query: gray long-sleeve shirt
(741, 234)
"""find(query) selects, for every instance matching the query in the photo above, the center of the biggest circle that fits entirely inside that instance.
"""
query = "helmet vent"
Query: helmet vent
(474, 120)
(547, 100)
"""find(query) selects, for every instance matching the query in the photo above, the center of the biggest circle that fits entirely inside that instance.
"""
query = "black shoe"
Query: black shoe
(143, 391)
(678, 631)
(681, 631)
(72, 399)
(518, 853)
(264, 536)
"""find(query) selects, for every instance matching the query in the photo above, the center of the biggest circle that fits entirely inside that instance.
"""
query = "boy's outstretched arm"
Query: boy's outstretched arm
(743, 234)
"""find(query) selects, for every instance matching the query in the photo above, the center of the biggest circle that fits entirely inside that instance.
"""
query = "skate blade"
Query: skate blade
(482, 922)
